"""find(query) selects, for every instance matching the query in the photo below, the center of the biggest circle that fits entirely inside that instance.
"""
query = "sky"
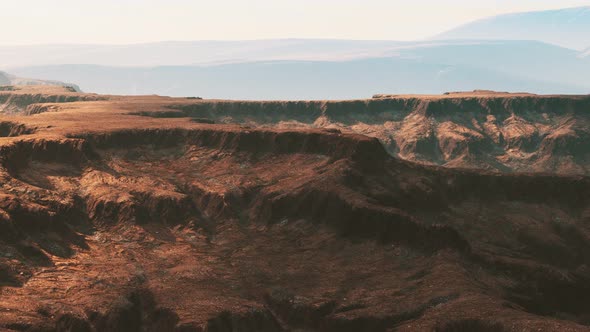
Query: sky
(25, 22)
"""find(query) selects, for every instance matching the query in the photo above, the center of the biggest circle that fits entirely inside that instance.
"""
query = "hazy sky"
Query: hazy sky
(135, 21)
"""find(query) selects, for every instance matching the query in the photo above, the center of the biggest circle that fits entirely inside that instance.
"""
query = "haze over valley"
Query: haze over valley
(479, 55)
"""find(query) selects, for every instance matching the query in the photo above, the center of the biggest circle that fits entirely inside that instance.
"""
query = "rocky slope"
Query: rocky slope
(116, 221)
(494, 131)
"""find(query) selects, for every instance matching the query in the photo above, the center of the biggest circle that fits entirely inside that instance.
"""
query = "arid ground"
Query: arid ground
(459, 212)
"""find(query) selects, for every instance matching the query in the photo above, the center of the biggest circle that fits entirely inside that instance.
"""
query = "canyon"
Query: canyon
(455, 212)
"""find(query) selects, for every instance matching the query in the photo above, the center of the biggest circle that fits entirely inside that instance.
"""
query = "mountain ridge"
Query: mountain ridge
(566, 27)
(411, 67)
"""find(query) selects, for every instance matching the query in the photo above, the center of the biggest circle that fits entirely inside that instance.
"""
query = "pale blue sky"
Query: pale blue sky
(137, 21)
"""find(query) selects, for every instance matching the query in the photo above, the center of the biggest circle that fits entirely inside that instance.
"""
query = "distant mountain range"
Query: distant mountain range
(568, 27)
(197, 52)
(479, 55)
(415, 68)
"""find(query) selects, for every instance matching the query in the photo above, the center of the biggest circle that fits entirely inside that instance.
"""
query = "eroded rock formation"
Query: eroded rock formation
(111, 220)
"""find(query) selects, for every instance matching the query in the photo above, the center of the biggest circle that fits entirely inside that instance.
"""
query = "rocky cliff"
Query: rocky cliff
(125, 214)
(501, 132)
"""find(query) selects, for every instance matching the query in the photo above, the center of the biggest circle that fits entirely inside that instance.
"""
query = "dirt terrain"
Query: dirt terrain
(160, 214)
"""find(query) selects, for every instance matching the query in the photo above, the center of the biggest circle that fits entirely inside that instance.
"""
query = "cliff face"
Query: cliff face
(119, 222)
(507, 133)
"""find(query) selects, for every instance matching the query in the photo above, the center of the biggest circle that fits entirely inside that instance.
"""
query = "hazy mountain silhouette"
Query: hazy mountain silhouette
(568, 27)
(196, 52)
(527, 58)
(295, 79)
(8, 79)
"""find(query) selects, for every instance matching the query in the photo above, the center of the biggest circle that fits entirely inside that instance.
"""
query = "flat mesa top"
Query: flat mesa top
(466, 94)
